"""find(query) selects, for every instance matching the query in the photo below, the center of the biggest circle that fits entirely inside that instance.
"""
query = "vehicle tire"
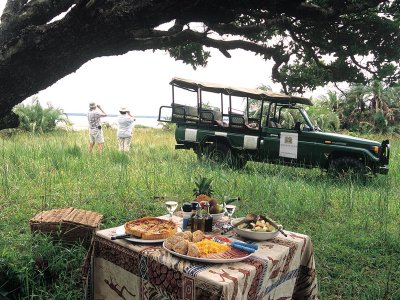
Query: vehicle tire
(347, 167)
(218, 153)
(222, 154)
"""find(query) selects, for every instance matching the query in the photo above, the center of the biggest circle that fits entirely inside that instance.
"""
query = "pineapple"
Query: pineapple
(203, 190)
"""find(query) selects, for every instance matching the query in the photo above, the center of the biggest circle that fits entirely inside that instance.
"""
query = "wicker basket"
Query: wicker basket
(49, 221)
(80, 225)
(67, 224)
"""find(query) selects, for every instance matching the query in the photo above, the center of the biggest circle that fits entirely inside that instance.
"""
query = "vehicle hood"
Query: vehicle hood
(336, 138)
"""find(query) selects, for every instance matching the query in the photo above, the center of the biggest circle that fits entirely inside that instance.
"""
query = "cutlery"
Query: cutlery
(249, 218)
(279, 228)
(237, 244)
(120, 236)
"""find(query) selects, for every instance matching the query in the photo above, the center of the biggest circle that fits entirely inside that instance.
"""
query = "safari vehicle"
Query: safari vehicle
(252, 124)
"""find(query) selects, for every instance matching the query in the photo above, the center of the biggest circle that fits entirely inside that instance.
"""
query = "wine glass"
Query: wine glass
(171, 207)
(230, 209)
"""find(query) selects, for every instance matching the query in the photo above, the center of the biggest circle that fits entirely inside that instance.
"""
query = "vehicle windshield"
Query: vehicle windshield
(289, 117)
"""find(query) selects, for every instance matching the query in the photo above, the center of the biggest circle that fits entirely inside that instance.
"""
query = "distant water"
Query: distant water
(79, 121)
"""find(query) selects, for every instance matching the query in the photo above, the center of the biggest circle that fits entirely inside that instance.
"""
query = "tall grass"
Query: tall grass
(354, 227)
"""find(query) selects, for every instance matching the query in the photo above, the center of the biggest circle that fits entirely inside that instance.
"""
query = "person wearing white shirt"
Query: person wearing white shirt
(95, 130)
(125, 126)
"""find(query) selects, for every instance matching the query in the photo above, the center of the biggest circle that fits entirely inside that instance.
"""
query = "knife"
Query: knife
(279, 228)
(251, 248)
(120, 236)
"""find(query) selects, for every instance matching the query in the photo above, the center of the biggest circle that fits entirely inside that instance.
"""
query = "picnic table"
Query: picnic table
(281, 268)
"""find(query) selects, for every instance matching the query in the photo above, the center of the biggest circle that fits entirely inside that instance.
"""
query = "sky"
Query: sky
(139, 80)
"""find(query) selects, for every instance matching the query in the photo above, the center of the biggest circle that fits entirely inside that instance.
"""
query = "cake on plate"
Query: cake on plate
(150, 228)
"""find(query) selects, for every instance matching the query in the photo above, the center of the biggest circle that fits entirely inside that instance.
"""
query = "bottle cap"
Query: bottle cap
(194, 205)
(186, 207)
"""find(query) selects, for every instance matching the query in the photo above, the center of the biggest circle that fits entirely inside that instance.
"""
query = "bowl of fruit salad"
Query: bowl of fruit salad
(258, 229)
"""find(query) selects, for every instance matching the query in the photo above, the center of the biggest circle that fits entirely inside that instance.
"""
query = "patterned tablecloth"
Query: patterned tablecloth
(282, 268)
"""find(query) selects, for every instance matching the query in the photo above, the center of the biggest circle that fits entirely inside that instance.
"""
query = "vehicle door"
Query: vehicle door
(286, 136)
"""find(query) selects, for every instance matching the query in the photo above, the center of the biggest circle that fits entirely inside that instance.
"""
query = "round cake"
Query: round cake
(151, 228)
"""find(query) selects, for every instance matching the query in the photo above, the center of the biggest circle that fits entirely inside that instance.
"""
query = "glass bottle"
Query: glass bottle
(187, 213)
(194, 209)
(194, 205)
(208, 219)
(197, 220)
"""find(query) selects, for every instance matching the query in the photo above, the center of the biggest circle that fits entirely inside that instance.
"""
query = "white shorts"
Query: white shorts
(96, 136)
(124, 143)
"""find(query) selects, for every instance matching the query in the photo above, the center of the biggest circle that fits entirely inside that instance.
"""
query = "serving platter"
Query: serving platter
(230, 256)
(120, 230)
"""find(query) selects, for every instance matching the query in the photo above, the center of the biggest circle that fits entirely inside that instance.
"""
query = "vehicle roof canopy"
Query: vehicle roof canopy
(238, 91)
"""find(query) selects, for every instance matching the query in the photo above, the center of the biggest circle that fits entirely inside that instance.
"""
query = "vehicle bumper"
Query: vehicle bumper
(383, 170)
(182, 146)
(384, 157)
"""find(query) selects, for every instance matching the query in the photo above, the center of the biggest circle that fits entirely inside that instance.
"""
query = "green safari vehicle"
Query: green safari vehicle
(235, 125)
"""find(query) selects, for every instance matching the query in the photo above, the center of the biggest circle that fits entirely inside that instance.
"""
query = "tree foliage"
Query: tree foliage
(367, 108)
(312, 42)
(35, 118)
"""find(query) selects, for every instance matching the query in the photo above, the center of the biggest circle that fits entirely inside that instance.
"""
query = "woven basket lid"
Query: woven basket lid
(51, 216)
(83, 217)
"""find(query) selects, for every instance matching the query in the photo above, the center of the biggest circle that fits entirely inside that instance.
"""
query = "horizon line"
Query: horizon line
(108, 115)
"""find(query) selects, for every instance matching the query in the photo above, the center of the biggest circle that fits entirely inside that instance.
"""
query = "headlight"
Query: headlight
(375, 149)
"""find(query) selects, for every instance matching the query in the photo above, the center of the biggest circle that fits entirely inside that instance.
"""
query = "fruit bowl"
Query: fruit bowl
(217, 217)
(253, 235)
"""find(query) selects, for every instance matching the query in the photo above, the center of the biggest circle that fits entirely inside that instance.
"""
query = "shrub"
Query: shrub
(35, 118)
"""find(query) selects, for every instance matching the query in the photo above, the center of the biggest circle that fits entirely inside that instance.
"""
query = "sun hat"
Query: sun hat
(123, 109)
(92, 105)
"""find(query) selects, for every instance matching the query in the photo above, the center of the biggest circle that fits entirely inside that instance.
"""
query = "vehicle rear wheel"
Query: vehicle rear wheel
(347, 167)
(222, 154)
(218, 153)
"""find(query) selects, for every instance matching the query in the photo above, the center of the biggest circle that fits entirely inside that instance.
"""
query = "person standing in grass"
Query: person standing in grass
(125, 126)
(95, 130)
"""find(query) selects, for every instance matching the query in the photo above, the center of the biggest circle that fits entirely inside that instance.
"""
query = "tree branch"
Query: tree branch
(230, 28)
(369, 70)
(11, 9)
(163, 39)
(35, 12)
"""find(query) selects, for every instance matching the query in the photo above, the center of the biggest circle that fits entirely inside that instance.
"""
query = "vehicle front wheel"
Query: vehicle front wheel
(346, 167)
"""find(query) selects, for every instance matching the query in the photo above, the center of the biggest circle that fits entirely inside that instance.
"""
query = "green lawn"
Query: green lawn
(354, 227)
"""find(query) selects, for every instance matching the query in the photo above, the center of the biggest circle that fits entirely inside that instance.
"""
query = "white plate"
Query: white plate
(210, 260)
(121, 230)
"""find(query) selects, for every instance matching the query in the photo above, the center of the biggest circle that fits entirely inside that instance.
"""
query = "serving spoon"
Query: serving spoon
(247, 219)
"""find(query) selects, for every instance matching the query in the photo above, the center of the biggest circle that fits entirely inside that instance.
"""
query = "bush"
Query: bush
(167, 126)
(380, 122)
(35, 118)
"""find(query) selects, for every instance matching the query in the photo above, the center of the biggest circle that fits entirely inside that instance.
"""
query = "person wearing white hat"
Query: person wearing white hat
(95, 130)
(125, 126)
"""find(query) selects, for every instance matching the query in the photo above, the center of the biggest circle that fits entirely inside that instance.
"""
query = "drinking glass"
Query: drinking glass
(171, 207)
(230, 209)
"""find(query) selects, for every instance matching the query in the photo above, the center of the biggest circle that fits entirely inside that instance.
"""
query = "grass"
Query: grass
(353, 227)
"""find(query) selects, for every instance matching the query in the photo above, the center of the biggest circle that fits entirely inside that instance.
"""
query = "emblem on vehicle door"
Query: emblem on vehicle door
(288, 140)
